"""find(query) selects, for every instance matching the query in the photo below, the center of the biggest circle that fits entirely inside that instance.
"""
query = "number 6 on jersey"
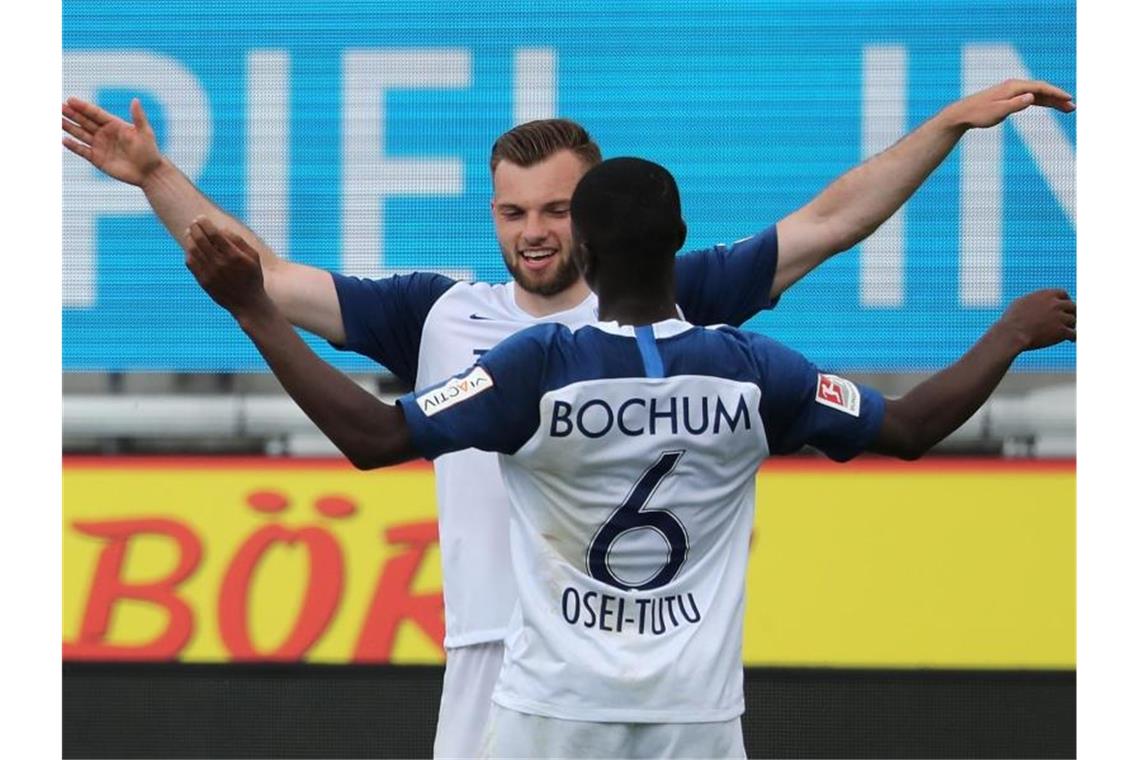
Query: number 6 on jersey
(632, 515)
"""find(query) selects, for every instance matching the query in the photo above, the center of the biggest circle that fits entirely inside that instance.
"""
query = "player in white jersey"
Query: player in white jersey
(629, 451)
(424, 328)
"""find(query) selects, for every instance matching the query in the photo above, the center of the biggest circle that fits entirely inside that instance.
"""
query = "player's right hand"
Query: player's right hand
(124, 151)
(1041, 319)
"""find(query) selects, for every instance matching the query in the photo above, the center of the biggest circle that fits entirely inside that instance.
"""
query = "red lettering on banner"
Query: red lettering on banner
(393, 601)
(322, 593)
(108, 587)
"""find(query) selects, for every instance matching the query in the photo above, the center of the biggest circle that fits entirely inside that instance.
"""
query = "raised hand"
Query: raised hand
(226, 267)
(940, 404)
(127, 152)
(1041, 319)
(991, 106)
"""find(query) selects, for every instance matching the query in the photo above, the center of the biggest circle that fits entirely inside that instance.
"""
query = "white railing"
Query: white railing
(1039, 423)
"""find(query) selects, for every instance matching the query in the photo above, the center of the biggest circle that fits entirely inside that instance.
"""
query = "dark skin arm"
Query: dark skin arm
(366, 430)
(940, 405)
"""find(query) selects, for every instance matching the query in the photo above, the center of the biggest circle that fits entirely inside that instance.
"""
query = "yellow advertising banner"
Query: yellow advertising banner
(943, 563)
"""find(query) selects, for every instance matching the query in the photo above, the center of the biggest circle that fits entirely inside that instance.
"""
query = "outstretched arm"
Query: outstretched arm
(943, 403)
(129, 153)
(853, 206)
(368, 431)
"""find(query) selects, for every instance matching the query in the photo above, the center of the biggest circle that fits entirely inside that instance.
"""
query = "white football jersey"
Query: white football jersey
(630, 464)
(478, 586)
(426, 328)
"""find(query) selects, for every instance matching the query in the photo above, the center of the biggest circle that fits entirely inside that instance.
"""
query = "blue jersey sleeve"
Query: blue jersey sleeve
(384, 319)
(493, 406)
(728, 284)
(802, 406)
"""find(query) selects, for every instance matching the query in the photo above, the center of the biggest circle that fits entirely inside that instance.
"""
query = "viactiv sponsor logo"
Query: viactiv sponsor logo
(454, 391)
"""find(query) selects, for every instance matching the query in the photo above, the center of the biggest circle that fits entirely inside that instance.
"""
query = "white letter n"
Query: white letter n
(982, 205)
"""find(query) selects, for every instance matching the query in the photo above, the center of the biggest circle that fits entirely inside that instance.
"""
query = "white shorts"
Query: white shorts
(515, 734)
(469, 678)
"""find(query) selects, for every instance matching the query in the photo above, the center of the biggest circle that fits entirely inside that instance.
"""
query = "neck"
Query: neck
(541, 306)
(634, 309)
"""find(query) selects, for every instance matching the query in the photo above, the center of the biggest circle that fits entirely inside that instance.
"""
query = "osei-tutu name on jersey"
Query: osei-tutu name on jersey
(643, 615)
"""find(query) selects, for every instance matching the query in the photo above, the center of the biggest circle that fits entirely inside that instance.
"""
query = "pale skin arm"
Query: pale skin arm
(129, 153)
(368, 431)
(853, 206)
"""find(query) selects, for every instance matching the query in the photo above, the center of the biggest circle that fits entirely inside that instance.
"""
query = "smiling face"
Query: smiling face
(531, 208)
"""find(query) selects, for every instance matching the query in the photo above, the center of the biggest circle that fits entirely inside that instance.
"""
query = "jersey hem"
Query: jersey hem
(615, 715)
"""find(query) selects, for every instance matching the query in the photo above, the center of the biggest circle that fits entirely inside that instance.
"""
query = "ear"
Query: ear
(584, 258)
(682, 233)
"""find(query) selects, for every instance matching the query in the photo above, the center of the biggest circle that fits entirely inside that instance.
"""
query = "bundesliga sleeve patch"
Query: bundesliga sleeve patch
(454, 391)
(834, 391)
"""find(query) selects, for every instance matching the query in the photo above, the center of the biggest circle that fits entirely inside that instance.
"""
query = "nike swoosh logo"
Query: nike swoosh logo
(477, 316)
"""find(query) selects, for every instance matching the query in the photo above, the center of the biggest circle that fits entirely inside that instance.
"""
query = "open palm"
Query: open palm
(991, 106)
(127, 152)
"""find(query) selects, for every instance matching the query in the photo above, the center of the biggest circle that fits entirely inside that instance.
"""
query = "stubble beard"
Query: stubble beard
(564, 276)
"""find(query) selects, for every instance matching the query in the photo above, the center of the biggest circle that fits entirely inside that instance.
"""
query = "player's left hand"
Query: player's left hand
(991, 106)
(1041, 319)
(226, 267)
